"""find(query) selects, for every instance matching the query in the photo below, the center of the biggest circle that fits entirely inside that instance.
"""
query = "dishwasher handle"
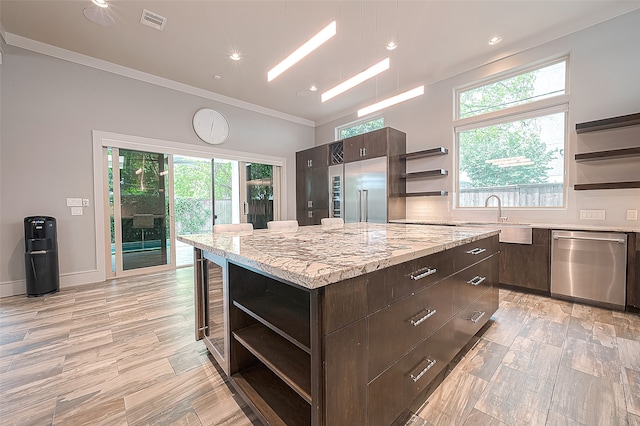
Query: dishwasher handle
(609, 240)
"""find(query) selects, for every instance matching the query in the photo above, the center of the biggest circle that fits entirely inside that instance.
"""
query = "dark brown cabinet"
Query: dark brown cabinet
(312, 185)
(324, 356)
(633, 271)
(368, 145)
(527, 265)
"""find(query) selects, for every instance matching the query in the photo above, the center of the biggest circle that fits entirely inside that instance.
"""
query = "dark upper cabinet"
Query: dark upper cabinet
(368, 145)
(313, 157)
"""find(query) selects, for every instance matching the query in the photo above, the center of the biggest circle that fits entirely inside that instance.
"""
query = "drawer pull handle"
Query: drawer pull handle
(476, 250)
(476, 280)
(428, 313)
(475, 317)
(416, 376)
(423, 272)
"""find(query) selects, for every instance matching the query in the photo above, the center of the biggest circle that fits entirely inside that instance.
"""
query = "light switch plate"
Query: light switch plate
(632, 214)
(71, 202)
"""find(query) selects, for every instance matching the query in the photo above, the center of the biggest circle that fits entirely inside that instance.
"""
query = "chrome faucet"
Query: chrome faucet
(486, 204)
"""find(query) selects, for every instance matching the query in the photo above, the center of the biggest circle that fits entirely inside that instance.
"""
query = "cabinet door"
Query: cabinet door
(352, 148)
(312, 157)
(527, 265)
(319, 188)
(375, 143)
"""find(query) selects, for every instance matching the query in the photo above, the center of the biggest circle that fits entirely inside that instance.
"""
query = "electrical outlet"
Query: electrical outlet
(76, 211)
(632, 214)
(592, 214)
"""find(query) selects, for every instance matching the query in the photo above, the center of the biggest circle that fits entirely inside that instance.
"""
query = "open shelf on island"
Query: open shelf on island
(425, 174)
(287, 319)
(284, 359)
(606, 185)
(609, 154)
(426, 153)
(276, 401)
(608, 123)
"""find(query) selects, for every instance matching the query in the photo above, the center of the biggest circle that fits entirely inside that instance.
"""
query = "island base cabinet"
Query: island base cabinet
(328, 356)
(345, 375)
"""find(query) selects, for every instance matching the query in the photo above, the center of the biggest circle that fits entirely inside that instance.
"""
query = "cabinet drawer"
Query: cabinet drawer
(472, 282)
(471, 319)
(399, 327)
(391, 392)
(409, 277)
(474, 252)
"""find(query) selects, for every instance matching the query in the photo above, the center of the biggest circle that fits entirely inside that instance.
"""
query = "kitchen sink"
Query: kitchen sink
(518, 233)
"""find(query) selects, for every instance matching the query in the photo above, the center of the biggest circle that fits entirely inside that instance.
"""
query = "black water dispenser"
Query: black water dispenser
(41, 255)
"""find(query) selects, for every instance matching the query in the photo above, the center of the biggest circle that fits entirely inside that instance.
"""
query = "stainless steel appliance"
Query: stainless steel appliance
(336, 180)
(212, 305)
(589, 266)
(365, 191)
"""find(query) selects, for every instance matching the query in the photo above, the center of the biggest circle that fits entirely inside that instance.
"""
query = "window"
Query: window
(512, 143)
(360, 128)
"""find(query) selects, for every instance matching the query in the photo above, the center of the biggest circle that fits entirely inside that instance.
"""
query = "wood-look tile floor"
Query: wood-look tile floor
(123, 352)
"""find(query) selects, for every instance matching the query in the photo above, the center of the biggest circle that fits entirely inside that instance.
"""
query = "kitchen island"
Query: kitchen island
(348, 324)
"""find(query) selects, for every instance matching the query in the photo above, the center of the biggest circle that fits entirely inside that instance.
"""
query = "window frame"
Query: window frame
(538, 108)
(355, 123)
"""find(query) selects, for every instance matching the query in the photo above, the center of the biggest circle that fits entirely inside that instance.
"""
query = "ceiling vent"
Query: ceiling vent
(152, 20)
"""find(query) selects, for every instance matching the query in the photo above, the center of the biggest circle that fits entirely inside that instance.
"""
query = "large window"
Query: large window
(359, 128)
(511, 138)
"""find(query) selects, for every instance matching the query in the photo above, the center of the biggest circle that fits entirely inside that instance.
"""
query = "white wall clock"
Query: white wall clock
(211, 126)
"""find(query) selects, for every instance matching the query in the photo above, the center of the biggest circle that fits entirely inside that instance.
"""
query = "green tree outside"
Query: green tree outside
(515, 139)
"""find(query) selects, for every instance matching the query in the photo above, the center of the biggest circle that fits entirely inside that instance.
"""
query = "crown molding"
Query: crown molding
(78, 58)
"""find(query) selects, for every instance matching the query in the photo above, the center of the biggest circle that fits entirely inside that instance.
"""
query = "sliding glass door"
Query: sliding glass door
(140, 203)
(152, 197)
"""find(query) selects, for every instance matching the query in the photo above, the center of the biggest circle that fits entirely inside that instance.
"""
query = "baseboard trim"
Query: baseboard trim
(18, 287)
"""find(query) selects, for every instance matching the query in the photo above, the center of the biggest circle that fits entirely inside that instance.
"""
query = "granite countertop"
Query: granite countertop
(314, 256)
(561, 226)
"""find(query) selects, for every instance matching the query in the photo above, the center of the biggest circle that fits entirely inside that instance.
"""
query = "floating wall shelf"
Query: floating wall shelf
(609, 154)
(608, 123)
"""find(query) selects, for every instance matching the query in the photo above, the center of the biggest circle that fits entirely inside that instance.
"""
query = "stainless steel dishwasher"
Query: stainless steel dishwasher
(589, 266)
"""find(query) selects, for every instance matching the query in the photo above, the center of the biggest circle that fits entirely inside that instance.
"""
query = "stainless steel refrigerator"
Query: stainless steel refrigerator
(365, 191)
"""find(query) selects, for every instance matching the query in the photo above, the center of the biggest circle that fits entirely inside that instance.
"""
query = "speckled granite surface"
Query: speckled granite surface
(315, 256)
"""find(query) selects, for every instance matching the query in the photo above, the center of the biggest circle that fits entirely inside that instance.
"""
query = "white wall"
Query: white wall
(604, 82)
(49, 109)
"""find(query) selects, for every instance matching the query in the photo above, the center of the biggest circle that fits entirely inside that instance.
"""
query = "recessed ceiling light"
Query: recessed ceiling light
(235, 56)
(313, 88)
(99, 16)
(495, 40)
(392, 45)
(100, 3)
(217, 77)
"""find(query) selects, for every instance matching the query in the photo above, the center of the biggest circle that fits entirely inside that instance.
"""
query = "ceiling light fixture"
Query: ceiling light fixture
(405, 96)
(235, 56)
(313, 88)
(495, 40)
(365, 75)
(100, 3)
(312, 44)
(392, 45)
